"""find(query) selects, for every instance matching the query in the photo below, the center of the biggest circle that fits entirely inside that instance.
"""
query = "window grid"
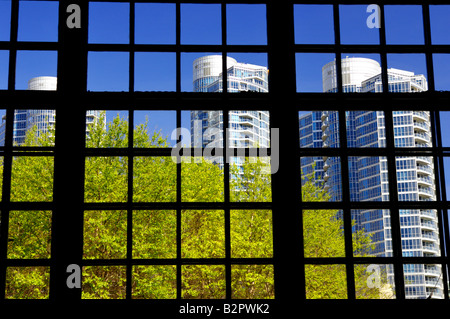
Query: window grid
(431, 101)
(394, 205)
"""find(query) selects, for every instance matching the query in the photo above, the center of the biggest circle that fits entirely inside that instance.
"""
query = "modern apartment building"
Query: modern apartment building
(43, 119)
(245, 128)
(368, 177)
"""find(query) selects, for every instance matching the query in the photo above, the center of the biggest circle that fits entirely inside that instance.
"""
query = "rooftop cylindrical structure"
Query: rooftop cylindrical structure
(207, 69)
(354, 71)
(43, 83)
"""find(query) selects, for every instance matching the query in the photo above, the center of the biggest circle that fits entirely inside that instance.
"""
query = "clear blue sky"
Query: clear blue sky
(201, 24)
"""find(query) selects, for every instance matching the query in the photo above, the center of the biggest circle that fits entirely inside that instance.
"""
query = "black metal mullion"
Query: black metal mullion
(7, 159)
(392, 170)
(440, 195)
(178, 120)
(288, 258)
(442, 212)
(345, 184)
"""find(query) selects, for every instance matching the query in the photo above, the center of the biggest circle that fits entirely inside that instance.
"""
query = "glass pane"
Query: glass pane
(412, 129)
(32, 179)
(106, 179)
(447, 176)
(102, 77)
(105, 234)
(200, 70)
(203, 282)
(415, 176)
(154, 234)
(202, 234)
(201, 24)
(420, 233)
(27, 282)
(321, 179)
(368, 178)
(202, 129)
(316, 128)
(371, 233)
(404, 24)
(423, 281)
(441, 67)
(103, 282)
(246, 24)
(35, 127)
(154, 282)
(154, 129)
(354, 27)
(439, 23)
(155, 23)
(5, 20)
(246, 72)
(374, 281)
(201, 180)
(360, 73)
(313, 24)
(106, 129)
(252, 282)
(365, 129)
(249, 129)
(251, 234)
(29, 234)
(155, 71)
(315, 72)
(4, 68)
(323, 234)
(250, 179)
(109, 22)
(326, 282)
(36, 64)
(444, 117)
(38, 21)
(407, 73)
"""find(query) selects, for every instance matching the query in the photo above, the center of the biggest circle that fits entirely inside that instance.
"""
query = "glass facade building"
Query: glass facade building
(368, 176)
(246, 129)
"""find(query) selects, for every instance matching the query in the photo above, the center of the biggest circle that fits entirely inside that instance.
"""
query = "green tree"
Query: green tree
(105, 233)
(323, 237)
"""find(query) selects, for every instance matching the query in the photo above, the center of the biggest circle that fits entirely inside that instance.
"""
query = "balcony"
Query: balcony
(426, 191)
(428, 225)
(430, 236)
(428, 247)
(421, 116)
(424, 160)
(424, 169)
(428, 213)
(432, 270)
(421, 126)
(425, 181)
(422, 138)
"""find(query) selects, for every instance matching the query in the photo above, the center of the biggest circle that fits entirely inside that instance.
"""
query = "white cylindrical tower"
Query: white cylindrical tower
(43, 83)
(354, 71)
(207, 69)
